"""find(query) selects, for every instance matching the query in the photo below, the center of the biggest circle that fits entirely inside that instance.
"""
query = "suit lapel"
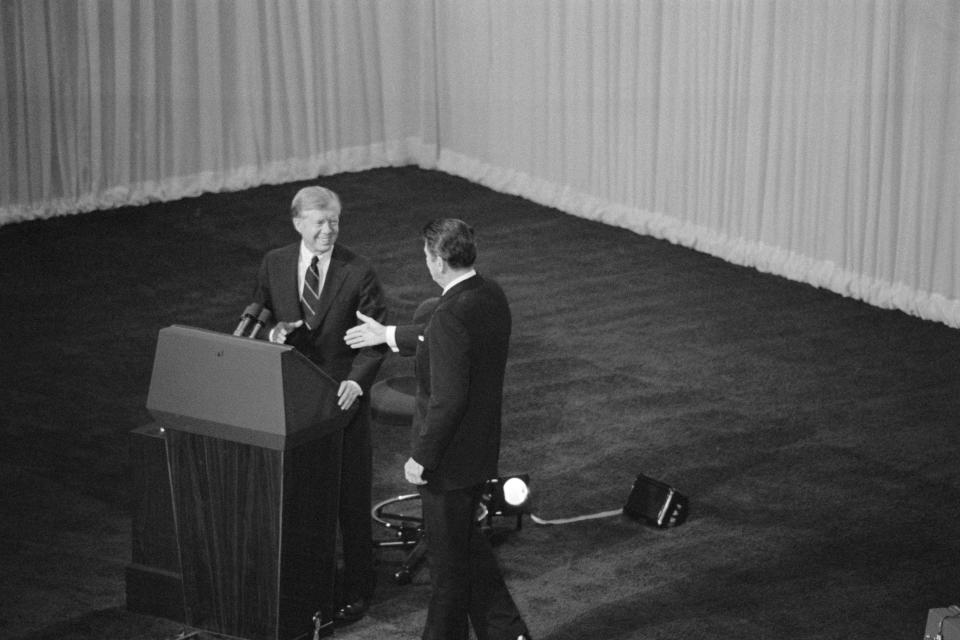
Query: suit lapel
(336, 275)
(290, 294)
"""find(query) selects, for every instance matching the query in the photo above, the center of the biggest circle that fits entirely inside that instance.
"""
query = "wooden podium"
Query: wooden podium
(253, 444)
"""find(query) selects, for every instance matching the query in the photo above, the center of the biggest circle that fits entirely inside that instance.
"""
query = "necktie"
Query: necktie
(310, 296)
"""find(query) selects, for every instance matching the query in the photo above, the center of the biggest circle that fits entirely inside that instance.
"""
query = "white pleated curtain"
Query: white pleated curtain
(115, 102)
(815, 139)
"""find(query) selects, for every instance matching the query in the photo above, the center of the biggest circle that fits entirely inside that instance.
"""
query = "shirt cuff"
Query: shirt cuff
(391, 337)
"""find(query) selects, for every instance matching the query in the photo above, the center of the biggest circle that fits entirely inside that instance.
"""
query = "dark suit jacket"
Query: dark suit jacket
(350, 284)
(461, 357)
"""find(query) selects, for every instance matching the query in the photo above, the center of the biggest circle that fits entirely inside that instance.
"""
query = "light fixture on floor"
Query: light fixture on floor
(507, 496)
(656, 502)
(403, 517)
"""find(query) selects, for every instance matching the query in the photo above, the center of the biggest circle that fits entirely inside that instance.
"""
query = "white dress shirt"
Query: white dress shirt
(306, 257)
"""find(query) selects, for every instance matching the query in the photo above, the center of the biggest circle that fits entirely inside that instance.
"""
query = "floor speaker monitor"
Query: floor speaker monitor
(657, 503)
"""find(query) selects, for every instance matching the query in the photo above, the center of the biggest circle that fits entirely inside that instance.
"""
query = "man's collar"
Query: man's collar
(306, 255)
(459, 279)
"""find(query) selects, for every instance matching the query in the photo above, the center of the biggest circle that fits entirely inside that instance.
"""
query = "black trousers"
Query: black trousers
(356, 529)
(466, 581)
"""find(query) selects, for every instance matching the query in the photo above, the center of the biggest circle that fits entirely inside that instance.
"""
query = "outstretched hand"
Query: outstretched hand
(369, 333)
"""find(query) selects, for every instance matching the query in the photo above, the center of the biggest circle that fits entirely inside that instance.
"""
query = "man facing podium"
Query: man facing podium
(314, 287)
(461, 356)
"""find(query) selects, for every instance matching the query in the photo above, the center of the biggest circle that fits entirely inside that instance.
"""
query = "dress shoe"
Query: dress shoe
(351, 612)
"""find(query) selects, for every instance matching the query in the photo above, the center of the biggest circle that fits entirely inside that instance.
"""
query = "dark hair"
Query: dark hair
(452, 240)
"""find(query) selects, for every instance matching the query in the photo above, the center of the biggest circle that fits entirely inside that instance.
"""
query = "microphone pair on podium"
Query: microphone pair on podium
(255, 314)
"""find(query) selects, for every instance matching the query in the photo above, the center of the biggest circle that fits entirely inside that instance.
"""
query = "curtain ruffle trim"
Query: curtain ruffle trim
(824, 274)
(398, 153)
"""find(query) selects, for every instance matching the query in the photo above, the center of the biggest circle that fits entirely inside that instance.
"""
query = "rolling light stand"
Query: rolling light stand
(407, 532)
(503, 496)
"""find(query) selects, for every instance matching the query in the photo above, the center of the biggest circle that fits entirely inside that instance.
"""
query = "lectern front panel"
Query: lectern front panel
(238, 389)
(257, 533)
(213, 378)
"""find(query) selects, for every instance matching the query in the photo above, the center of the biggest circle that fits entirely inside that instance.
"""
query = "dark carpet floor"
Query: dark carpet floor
(815, 436)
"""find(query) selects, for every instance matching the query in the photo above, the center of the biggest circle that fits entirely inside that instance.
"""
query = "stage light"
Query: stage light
(507, 496)
(515, 492)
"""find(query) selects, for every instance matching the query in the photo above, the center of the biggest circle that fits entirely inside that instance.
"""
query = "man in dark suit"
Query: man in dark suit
(461, 357)
(314, 287)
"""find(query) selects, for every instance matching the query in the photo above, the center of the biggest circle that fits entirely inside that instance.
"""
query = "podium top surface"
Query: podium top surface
(240, 389)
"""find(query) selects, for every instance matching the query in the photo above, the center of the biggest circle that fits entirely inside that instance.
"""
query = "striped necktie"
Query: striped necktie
(310, 296)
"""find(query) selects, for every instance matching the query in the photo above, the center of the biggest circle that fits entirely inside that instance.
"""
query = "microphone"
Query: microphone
(248, 315)
(262, 318)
